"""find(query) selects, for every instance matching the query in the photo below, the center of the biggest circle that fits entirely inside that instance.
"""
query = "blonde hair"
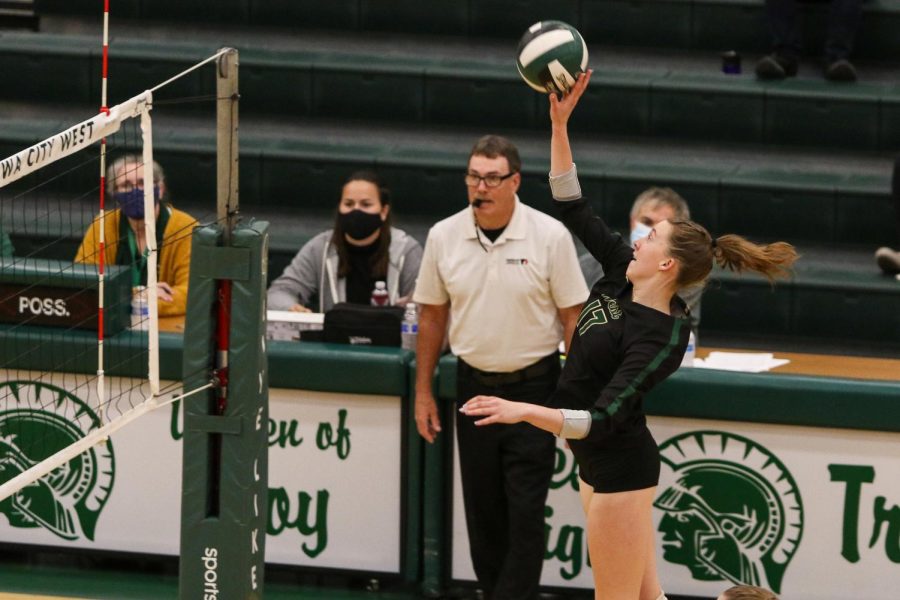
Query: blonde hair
(132, 161)
(748, 592)
(695, 250)
(664, 196)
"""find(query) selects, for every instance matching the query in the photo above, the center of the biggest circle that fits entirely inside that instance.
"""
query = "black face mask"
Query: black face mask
(359, 224)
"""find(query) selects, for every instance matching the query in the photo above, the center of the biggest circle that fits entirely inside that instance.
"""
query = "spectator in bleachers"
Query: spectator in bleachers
(650, 207)
(342, 264)
(747, 592)
(784, 20)
(126, 241)
(889, 258)
(506, 278)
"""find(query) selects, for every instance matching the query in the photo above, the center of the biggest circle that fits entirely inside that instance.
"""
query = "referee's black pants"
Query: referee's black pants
(506, 471)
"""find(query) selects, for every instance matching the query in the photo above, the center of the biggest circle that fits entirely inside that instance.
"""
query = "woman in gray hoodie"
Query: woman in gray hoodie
(343, 264)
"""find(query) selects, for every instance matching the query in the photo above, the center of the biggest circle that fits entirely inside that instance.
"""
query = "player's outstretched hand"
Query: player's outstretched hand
(561, 108)
(494, 410)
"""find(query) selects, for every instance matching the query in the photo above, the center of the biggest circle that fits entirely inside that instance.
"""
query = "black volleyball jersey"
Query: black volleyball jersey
(620, 349)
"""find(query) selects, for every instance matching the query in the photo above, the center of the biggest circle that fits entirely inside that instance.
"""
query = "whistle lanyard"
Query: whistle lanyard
(138, 259)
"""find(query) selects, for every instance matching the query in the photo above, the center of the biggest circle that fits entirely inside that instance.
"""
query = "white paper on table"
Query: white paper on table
(748, 362)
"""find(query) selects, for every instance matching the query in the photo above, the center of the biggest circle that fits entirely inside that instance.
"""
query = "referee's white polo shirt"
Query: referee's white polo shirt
(503, 302)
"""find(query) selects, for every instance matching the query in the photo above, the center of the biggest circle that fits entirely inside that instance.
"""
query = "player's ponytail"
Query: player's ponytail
(737, 254)
(695, 250)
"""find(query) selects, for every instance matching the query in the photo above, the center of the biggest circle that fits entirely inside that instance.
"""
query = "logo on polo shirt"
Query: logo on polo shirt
(517, 261)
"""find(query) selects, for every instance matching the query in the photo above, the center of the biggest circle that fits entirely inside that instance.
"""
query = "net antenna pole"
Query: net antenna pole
(150, 207)
(227, 196)
(101, 260)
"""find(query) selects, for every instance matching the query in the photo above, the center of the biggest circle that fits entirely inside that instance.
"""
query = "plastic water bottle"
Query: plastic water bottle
(690, 352)
(380, 294)
(409, 328)
(140, 311)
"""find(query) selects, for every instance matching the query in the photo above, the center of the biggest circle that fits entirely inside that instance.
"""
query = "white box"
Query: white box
(287, 325)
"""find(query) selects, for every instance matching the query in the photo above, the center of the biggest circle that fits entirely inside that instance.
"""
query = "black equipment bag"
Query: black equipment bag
(365, 325)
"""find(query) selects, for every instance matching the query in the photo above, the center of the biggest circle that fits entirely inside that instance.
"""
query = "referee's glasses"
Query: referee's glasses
(491, 181)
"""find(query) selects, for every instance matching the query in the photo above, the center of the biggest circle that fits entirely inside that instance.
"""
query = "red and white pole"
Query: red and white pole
(101, 260)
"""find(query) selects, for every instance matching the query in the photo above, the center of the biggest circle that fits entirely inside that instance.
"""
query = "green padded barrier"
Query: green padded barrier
(877, 36)
(890, 120)
(511, 18)
(746, 305)
(838, 314)
(861, 219)
(435, 18)
(122, 8)
(802, 112)
(334, 14)
(35, 348)
(631, 23)
(773, 212)
(614, 103)
(715, 108)
(435, 486)
(412, 559)
(730, 25)
(354, 90)
(778, 398)
(338, 368)
(422, 192)
(759, 397)
(143, 64)
(535, 191)
(220, 11)
(304, 184)
(484, 95)
(282, 87)
(48, 68)
(225, 472)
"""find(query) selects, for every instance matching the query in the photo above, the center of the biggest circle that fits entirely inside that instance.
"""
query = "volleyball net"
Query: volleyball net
(80, 297)
(94, 263)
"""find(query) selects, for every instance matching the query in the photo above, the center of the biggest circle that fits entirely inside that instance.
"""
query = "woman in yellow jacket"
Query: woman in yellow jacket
(126, 242)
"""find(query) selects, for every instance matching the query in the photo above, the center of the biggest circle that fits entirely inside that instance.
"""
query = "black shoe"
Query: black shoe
(840, 70)
(776, 66)
(888, 260)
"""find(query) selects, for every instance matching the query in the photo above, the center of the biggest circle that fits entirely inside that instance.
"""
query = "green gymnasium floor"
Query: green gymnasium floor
(22, 579)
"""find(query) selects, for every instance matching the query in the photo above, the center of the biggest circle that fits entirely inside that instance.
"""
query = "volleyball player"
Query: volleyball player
(630, 336)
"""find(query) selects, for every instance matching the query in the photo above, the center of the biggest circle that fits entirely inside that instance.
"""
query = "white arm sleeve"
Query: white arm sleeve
(565, 187)
(576, 424)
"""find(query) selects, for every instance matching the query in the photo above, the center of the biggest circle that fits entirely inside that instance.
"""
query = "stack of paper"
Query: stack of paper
(749, 362)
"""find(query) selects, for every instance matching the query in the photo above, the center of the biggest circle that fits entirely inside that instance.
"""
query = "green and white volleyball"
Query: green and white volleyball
(551, 55)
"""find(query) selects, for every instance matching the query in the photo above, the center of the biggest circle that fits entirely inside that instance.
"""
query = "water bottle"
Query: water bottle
(690, 352)
(140, 311)
(409, 328)
(380, 294)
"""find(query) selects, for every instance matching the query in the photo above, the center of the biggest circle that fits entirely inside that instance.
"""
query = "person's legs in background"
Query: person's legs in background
(888, 259)
(784, 22)
(843, 22)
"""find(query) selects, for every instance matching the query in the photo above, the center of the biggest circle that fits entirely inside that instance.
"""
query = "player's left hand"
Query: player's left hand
(494, 410)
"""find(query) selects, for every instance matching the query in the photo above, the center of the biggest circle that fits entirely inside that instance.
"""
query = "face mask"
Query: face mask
(640, 231)
(132, 203)
(359, 224)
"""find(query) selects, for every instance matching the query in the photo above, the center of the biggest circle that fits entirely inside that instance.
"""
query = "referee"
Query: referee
(506, 278)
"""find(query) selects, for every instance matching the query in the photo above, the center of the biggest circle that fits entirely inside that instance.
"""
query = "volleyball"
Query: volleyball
(551, 54)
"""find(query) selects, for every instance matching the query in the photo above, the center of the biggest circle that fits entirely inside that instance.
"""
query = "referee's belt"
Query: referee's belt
(532, 371)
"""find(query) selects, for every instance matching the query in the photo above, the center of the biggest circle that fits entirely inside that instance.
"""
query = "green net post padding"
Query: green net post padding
(224, 479)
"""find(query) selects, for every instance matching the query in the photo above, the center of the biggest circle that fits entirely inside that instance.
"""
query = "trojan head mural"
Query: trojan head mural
(732, 511)
(36, 421)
